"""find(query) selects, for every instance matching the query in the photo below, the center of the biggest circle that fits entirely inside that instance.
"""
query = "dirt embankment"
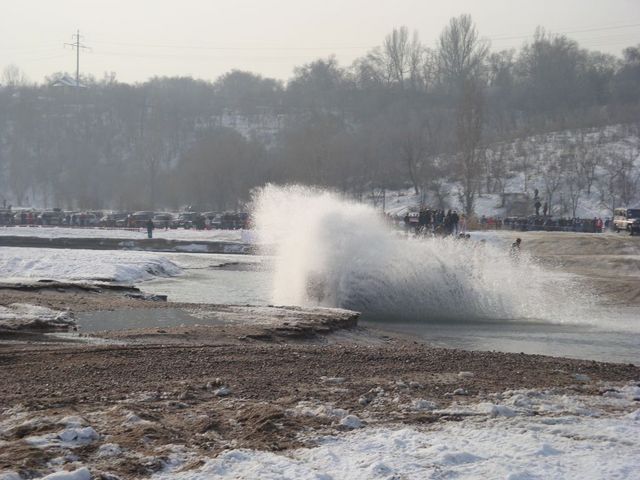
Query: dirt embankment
(253, 395)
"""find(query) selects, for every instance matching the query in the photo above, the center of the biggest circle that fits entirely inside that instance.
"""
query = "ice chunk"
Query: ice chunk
(421, 404)
(351, 421)
(79, 474)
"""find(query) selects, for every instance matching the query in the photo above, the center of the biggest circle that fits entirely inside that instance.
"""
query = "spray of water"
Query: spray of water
(337, 253)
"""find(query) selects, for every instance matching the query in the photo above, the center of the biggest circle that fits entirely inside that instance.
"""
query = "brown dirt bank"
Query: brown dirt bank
(173, 393)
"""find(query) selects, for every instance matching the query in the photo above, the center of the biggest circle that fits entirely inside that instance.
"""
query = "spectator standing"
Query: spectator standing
(150, 228)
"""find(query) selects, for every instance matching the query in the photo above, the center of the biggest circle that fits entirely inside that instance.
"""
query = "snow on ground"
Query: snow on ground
(536, 151)
(567, 437)
(23, 315)
(513, 449)
(565, 448)
(88, 232)
(62, 264)
(518, 434)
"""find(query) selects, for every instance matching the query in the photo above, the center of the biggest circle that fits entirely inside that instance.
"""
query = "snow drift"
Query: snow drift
(62, 264)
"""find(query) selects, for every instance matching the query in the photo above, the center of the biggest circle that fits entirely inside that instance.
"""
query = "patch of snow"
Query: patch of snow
(72, 421)
(351, 422)
(25, 315)
(70, 437)
(10, 475)
(77, 264)
(519, 447)
(635, 416)
(222, 392)
(422, 404)
(309, 409)
(107, 450)
(82, 473)
(495, 410)
(332, 379)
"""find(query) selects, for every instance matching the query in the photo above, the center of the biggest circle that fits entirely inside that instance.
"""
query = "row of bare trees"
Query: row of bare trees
(439, 119)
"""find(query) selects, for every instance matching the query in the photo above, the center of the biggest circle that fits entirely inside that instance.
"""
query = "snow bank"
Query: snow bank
(62, 264)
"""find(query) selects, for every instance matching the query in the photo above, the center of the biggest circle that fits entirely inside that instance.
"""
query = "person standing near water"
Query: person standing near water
(515, 249)
(150, 228)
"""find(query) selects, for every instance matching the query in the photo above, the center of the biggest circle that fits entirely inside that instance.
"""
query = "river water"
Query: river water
(609, 335)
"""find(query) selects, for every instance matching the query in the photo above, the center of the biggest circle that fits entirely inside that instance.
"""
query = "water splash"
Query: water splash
(338, 253)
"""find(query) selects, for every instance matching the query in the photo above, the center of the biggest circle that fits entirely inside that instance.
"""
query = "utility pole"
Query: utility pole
(78, 46)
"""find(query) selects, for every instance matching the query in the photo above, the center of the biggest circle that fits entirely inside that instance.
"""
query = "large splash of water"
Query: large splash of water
(333, 252)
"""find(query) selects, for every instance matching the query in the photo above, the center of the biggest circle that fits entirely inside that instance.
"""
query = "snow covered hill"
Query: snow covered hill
(593, 170)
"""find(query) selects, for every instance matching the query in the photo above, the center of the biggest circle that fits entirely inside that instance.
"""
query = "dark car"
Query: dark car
(51, 217)
(140, 219)
(163, 220)
(6, 217)
(190, 220)
(114, 219)
(234, 221)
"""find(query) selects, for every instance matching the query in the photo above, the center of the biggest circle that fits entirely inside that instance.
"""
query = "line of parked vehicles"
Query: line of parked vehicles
(173, 220)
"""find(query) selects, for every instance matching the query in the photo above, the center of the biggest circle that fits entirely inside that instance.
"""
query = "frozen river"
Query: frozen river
(247, 280)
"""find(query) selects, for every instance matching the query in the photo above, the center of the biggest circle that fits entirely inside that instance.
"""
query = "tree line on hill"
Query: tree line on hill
(405, 114)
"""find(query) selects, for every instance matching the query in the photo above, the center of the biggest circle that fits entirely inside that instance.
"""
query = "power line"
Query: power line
(206, 47)
(567, 32)
(339, 47)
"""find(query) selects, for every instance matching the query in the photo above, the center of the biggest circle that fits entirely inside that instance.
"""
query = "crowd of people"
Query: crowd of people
(438, 222)
(435, 222)
(540, 223)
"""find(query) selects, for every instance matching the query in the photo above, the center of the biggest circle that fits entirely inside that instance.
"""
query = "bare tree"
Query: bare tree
(461, 52)
(618, 184)
(13, 77)
(469, 142)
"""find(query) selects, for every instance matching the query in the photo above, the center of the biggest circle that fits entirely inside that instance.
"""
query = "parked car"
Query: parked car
(114, 219)
(140, 219)
(190, 220)
(84, 219)
(212, 219)
(163, 220)
(6, 217)
(627, 219)
(234, 221)
(51, 217)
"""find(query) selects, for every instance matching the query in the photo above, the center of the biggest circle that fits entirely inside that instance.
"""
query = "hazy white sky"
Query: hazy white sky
(138, 39)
